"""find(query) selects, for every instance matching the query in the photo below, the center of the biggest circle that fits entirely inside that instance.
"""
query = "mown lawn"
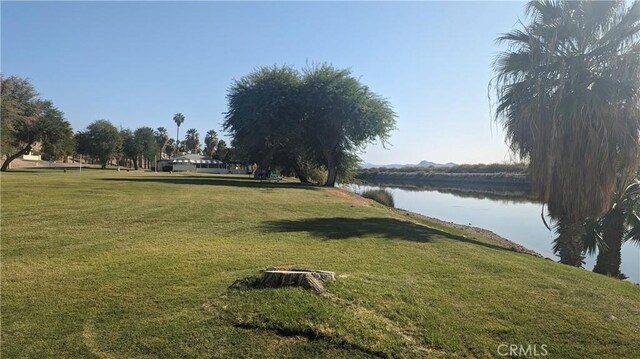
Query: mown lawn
(137, 265)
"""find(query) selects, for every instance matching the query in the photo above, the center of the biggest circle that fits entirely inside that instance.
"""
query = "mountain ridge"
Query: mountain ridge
(423, 163)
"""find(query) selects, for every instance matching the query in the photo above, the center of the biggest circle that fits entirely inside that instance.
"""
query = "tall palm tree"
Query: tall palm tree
(568, 95)
(178, 118)
(619, 224)
(192, 140)
(210, 143)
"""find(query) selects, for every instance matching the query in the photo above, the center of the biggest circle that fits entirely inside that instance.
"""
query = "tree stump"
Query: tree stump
(310, 280)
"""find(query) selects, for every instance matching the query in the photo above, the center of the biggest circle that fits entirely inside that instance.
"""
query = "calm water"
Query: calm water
(516, 220)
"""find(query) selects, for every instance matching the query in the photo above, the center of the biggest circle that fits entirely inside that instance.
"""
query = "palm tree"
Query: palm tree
(178, 118)
(619, 224)
(192, 140)
(568, 94)
(171, 148)
(210, 143)
(163, 139)
(222, 151)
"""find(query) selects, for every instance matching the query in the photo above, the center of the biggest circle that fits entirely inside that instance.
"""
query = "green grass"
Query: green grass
(113, 265)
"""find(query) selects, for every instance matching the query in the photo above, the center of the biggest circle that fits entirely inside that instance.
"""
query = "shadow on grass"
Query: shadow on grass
(46, 169)
(389, 228)
(233, 181)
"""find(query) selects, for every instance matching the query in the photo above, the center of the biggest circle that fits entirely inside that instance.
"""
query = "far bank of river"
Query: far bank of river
(512, 217)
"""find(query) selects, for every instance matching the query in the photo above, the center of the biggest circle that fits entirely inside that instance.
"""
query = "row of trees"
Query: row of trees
(568, 97)
(310, 123)
(103, 142)
(28, 120)
(213, 147)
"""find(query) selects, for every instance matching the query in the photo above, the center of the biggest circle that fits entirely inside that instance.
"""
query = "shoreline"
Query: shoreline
(470, 230)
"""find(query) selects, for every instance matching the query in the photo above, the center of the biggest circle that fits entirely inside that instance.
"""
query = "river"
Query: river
(517, 219)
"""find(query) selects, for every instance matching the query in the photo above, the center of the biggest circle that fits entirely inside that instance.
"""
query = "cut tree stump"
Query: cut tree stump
(308, 279)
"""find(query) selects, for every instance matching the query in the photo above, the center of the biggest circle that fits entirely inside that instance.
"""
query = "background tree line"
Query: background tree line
(102, 142)
(28, 120)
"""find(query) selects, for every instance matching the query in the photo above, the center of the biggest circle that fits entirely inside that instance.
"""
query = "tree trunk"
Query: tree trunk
(332, 168)
(135, 163)
(609, 258)
(331, 177)
(570, 243)
(6, 163)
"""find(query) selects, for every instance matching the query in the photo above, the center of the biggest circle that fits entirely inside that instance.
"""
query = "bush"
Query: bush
(381, 196)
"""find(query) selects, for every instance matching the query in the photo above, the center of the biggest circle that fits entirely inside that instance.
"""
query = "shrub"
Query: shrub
(381, 196)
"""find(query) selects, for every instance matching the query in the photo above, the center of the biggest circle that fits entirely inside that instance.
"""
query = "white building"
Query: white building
(196, 163)
(31, 157)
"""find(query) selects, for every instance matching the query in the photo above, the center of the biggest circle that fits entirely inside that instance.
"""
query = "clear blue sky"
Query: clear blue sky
(138, 63)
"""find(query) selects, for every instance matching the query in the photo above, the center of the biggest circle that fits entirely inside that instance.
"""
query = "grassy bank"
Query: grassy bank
(106, 264)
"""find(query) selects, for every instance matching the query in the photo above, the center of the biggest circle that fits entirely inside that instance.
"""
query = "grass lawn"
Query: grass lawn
(137, 265)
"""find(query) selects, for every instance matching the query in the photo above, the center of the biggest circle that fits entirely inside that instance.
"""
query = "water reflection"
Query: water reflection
(495, 194)
(512, 215)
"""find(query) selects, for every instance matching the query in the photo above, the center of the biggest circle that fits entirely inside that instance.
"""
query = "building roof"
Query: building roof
(194, 158)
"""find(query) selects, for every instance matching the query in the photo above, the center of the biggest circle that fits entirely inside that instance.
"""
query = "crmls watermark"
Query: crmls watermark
(521, 350)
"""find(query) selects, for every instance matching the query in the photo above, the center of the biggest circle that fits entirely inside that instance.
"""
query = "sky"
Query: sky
(138, 63)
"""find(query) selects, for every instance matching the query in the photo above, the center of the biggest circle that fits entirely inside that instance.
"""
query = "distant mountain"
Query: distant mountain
(396, 165)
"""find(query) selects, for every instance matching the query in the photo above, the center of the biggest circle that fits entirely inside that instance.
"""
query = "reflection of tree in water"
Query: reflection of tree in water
(498, 193)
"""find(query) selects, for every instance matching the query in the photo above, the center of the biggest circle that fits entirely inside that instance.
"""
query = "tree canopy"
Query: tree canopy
(146, 142)
(222, 151)
(210, 143)
(303, 120)
(341, 116)
(27, 119)
(101, 141)
(55, 133)
(178, 118)
(192, 140)
(129, 147)
(162, 137)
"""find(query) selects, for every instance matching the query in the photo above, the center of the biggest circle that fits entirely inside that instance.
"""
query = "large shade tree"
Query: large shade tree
(264, 117)
(341, 117)
(567, 91)
(20, 110)
(300, 121)
(101, 141)
(26, 120)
